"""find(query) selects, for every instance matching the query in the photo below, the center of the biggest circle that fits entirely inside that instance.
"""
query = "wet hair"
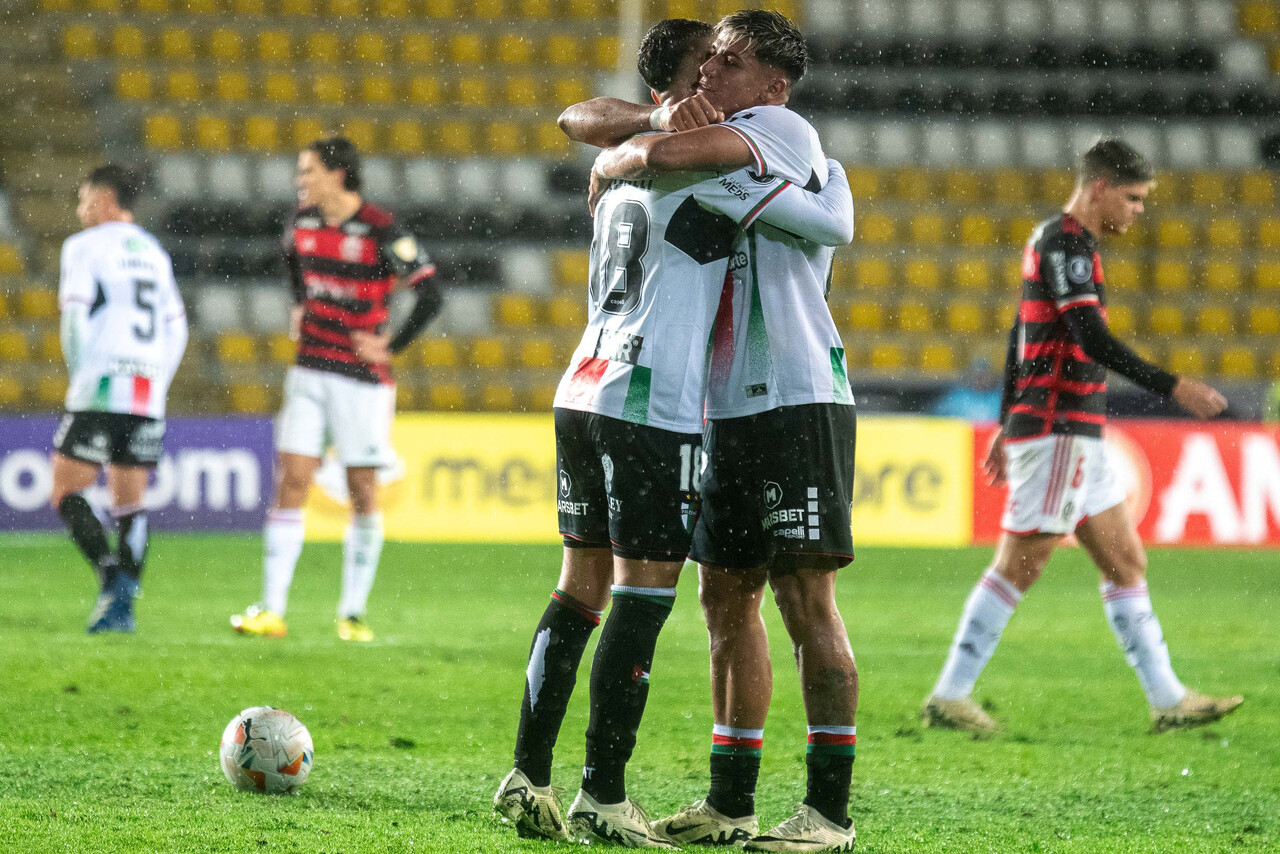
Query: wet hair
(664, 47)
(775, 39)
(125, 182)
(1115, 161)
(338, 152)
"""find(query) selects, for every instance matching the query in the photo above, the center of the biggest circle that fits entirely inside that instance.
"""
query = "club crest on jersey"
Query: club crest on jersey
(350, 248)
(759, 179)
(772, 495)
(1079, 269)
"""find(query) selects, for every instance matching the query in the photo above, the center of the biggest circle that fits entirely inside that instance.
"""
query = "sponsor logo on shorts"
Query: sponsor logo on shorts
(801, 523)
(565, 483)
(772, 495)
(606, 463)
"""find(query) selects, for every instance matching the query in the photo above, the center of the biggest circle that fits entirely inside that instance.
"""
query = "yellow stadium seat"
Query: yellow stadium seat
(562, 49)
(1267, 276)
(570, 267)
(10, 392)
(912, 185)
(566, 312)
(1167, 190)
(280, 87)
(569, 90)
(347, 8)
(297, 7)
(213, 133)
(1172, 275)
(425, 90)
(923, 273)
(961, 185)
(588, 8)
(473, 92)
(888, 357)
(456, 137)
(183, 86)
(440, 8)
(307, 130)
(237, 348)
(973, 273)
(863, 183)
(249, 398)
(1225, 234)
(1223, 276)
(37, 304)
(928, 229)
(505, 138)
(162, 132)
(1166, 320)
(79, 43)
(248, 7)
(1238, 363)
(497, 397)
(515, 49)
(1056, 185)
(977, 230)
(515, 309)
(872, 273)
(177, 43)
(57, 5)
(1019, 229)
(324, 47)
(128, 42)
(937, 358)
(11, 262)
(275, 46)
(875, 229)
(606, 51)
(377, 89)
(281, 348)
(329, 89)
(392, 8)
(1175, 234)
(1136, 236)
(226, 45)
(1005, 315)
(51, 390)
(915, 317)
(370, 47)
(535, 8)
(522, 92)
(446, 397)
(1269, 234)
(1264, 320)
(866, 316)
(965, 317)
(549, 140)
(467, 49)
(1186, 359)
(417, 48)
(363, 133)
(1208, 188)
(1214, 320)
(538, 353)
(1257, 188)
(1012, 272)
(133, 85)
(406, 137)
(1122, 274)
(1010, 186)
(14, 347)
(231, 86)
(4, 252)
(439, 353)
(489, 10)
(540, 398)
(1120, 320)
(488, 353)
(1259, 17)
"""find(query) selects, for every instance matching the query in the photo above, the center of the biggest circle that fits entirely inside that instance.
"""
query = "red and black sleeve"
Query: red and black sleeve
(1090, 331)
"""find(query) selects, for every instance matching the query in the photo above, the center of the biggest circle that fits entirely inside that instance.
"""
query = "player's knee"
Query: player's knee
(805, 603)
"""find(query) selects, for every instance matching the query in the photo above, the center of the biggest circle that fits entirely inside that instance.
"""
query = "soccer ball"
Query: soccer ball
(266, 750)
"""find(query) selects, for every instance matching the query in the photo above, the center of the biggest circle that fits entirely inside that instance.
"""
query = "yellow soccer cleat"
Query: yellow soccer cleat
(259, 623)
(962, 714)
(1194, 709)
(354, 629)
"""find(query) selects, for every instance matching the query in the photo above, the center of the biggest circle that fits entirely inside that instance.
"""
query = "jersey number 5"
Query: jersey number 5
(144, 297)
(620, 273)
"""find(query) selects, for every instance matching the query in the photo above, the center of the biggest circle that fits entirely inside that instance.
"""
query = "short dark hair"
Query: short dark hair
(338, 152)
(775, 39)
(125, 182)
(664, 47)
(1115, 161)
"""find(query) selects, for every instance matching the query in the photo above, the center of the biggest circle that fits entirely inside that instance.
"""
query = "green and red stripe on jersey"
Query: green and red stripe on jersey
(832, 740)
(116, 394)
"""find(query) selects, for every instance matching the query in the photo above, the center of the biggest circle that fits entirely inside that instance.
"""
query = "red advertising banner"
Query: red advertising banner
(1188, 483)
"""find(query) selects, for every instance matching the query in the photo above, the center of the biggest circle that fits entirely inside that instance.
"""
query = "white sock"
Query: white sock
(361, 548)
(986, 613)
(281, 546)
(1136, 628)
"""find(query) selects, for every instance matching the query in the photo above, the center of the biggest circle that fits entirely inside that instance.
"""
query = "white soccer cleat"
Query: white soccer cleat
(624, 824)
(534, 810)
(702, 824)
(1194, 709)
(962, 714)
(806, 830)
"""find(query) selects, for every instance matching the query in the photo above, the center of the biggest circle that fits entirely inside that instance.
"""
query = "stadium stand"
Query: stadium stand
(958, 121)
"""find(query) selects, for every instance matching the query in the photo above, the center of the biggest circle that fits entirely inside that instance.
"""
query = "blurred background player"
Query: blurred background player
(345, 256)
(1050, 451)
(124, 330)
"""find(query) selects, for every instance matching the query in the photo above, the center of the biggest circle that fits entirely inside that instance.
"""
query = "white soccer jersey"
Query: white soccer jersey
(658, 270)
(785, 348)
(123, 355)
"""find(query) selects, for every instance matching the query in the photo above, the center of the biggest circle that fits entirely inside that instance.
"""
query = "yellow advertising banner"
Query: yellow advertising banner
(492, 478)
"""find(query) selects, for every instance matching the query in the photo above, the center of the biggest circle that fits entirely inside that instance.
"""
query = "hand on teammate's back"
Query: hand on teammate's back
(371, 347)
(993, 466)
(691, 113)
(1200, 400)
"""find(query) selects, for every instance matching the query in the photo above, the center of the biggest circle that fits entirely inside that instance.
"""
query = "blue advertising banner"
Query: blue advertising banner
(215, 475)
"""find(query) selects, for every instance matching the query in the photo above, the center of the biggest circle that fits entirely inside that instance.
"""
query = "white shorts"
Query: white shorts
(323, 410)
(1055, 482)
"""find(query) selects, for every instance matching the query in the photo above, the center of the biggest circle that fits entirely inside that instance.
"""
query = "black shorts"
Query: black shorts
(777, 490)
(110, 437)
(626, 486)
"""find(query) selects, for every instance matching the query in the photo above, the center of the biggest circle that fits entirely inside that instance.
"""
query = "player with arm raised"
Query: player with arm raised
(628, 436)
(124, 331)
(345, 256)
(1050, 452)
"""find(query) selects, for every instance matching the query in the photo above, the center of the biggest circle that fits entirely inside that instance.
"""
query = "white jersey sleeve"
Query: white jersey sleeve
(783, 145)
(825, 217)
(75, 282)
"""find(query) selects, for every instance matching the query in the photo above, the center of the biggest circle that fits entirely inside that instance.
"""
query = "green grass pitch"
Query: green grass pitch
(110, 743)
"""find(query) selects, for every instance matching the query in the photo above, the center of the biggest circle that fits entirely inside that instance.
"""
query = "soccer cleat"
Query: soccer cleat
(962, 714)
(260, 623)
(702, 824)
(534, 810)
(354, 629)
(806, 830)
(622, 824)
(1194, 709)
(113, 612)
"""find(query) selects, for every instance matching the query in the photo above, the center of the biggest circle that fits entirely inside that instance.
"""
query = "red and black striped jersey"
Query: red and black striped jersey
(343, 275)
(1057, 387)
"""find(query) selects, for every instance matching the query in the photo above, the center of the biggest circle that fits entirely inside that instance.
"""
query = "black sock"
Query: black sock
(554, 657)
(827, 790)
(619, 689)
(88, 535)
(133, 542)
(733, 783)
